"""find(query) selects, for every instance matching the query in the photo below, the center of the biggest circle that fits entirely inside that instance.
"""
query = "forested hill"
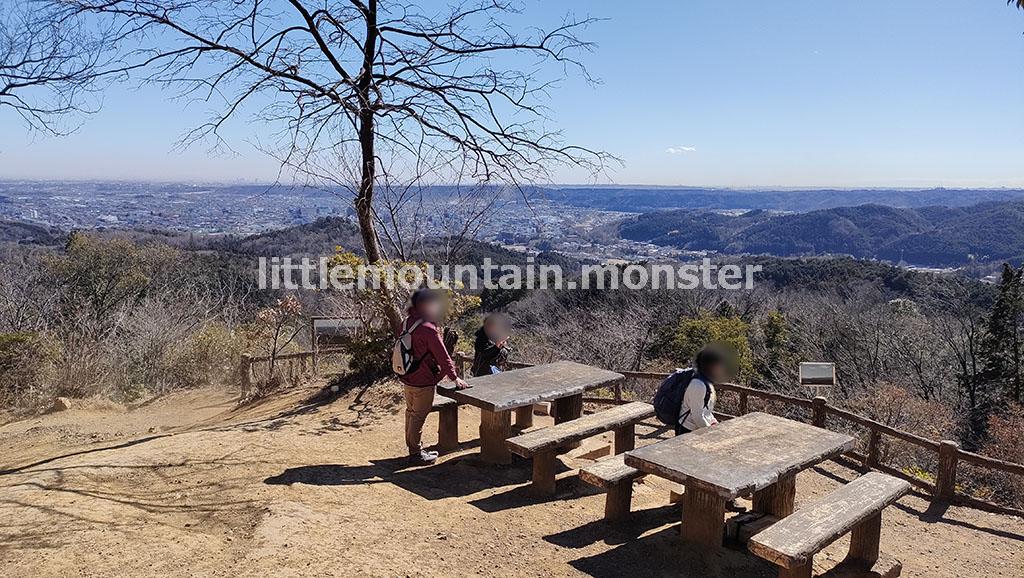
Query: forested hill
(641, 199)
(927, 236)
(30, 234)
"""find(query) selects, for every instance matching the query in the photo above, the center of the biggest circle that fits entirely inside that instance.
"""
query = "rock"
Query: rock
(61, 404)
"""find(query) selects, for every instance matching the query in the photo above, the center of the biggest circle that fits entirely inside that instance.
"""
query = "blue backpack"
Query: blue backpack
(668, 401)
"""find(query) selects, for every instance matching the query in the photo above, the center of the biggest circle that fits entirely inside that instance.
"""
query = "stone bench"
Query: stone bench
(447, 422)
(542, 444)
(855, 508)
(616, 478)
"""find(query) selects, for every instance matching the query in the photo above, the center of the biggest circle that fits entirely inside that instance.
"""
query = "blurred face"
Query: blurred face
(432, 310)
(496, 329)
(718, 373)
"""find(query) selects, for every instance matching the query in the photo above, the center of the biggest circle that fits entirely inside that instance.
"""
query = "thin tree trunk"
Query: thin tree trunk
(367, 134)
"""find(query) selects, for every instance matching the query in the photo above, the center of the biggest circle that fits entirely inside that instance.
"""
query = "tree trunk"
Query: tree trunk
(367, 134)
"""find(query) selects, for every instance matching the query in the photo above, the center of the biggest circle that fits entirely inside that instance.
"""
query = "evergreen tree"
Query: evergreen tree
(1002, 348)
(690, 335)
(775, 360)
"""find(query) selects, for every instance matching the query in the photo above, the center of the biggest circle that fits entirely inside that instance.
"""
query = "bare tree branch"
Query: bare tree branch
(48, 67)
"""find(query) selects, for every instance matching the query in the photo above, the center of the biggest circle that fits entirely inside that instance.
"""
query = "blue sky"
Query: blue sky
(696, 92)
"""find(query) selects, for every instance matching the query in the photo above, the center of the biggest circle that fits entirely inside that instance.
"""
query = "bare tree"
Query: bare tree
(616, 330)
(407, 94)
(28, 297)
(48, 66)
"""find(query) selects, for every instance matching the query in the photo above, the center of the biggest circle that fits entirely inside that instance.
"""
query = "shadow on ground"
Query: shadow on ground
(456, 477)
(635, 525)
(661, 553)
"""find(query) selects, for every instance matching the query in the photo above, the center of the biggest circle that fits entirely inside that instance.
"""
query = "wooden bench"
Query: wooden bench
(856, 508)
(447, 422)
(616, 478)
(542, 444)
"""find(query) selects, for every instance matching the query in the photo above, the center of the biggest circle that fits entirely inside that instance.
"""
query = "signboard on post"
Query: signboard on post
(817, 374)
(328, 331)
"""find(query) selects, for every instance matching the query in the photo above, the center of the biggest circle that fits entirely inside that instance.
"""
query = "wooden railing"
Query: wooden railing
(949, 455)
(294, 365)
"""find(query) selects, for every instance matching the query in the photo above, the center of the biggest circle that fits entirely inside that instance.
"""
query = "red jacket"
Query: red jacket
(427, 346)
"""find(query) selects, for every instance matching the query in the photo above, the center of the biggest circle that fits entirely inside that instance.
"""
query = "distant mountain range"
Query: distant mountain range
(644, 199)
(926, 236)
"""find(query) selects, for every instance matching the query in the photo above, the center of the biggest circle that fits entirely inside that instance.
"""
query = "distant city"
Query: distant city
(538, 225)
(937, 229)
(238, 209)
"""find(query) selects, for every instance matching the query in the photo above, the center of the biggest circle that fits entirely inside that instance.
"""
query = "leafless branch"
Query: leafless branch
(48, 67)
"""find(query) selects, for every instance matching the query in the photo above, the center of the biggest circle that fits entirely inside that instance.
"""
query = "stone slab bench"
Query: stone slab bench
(447, 422)
(542, 444)
(855, 508)
(616, 478)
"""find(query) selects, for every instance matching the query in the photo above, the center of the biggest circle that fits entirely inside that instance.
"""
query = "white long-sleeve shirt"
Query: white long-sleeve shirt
(698, 409)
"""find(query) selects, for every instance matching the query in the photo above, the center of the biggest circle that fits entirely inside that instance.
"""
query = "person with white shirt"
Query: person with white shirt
(698, 408)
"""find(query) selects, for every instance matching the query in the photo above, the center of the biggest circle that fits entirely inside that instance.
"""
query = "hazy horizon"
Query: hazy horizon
(680, 187)
(791, 94)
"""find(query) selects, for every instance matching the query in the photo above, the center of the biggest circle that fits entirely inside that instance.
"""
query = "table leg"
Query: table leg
(524, 417)
(703, 517)
(625, 439)
(495, 428)
(544, 474)
(778, 499)
(569, 408)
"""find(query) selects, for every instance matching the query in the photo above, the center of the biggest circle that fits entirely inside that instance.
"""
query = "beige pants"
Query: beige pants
(418, 402)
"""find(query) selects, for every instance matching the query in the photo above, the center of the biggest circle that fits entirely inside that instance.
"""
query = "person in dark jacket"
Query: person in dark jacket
(432, 364)
(491, 350)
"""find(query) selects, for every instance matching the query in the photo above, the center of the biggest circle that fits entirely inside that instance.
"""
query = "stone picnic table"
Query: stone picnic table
(757, 454)
(562, 382)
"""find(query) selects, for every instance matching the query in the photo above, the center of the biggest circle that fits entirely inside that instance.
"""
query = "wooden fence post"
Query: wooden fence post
(818, 411)
(874, 440)
(945, 480)
(313, 345)
(743, 403)
(460, 364)
(245, 375)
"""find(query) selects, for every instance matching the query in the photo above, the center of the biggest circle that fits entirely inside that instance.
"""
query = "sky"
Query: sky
(790, 93)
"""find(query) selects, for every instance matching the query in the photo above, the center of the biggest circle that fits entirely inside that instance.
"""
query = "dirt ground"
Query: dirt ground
(192, 485)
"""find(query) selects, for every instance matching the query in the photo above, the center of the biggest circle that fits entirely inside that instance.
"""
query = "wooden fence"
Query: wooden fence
(949, 456)
(288, 366)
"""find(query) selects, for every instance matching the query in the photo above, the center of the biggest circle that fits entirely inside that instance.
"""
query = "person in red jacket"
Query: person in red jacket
(432, 363)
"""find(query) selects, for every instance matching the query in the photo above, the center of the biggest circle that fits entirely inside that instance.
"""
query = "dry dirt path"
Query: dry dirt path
(192, 486)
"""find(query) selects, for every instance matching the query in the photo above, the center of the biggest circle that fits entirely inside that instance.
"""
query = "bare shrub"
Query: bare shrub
(26, 364)
(616, 331)
(1006, 441)
(114, 318)
(897, 407)
(209, 356)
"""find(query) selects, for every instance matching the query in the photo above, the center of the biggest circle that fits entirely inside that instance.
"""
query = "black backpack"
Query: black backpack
(668, 401)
